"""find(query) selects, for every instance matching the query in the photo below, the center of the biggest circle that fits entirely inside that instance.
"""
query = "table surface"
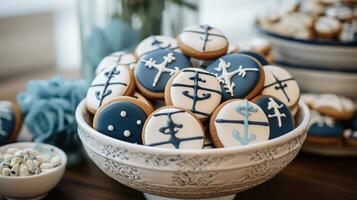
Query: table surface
(306, 177)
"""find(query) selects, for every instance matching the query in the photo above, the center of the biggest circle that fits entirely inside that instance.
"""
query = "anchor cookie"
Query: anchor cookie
(238, 123)
(336, 106)
(122, 118)
(112, 82)
(115, 59)
(155, 69)
(324, 129)
(259, 57)
(10, 122)
(154, 43)
(174, 128)
(280, 119)
(240, 76)
(202, 42)
(196, 90)
(281, 85)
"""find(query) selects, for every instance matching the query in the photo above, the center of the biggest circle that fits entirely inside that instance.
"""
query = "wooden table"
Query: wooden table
(307, 177)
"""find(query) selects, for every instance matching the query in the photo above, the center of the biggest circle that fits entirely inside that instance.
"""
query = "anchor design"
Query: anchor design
(245, 109)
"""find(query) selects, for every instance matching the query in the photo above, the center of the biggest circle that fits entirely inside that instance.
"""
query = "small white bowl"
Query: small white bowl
(35, 186)
(190, 174)
(330, 54)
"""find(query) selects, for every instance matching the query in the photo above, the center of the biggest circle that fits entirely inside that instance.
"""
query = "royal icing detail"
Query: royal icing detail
(240, 123)
(279, 116)
(260, 58)
(7, 121)
(281, 85)
(321, 125)
(112, 121)
(156, 42)
(196, 90)
(110, 83)
(156, 68)
(115, 59)
(173, 128)
(237, 73)
(203, 38)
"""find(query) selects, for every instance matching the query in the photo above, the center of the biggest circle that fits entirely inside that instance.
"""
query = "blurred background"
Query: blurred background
(41, 35)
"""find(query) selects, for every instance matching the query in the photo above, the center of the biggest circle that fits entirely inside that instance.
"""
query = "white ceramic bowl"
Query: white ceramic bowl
(321, 80)
(36, 186)
(191, 174)
(329, 54)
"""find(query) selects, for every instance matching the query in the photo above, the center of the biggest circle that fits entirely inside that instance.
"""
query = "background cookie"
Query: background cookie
(10, 122)
(156, 42)
(324, 129)
(112, 82)
(281, 85)
(240, 76)
(196, 90)
(115, 59)
(238, 123)
(122, 118)
(202, 42)
(155, 69)
(171, 127)
(280, 119)
(334, 105)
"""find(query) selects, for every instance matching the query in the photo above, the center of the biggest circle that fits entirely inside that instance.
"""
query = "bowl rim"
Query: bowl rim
(81, 109)
(330, 43)
(347, 70)
(59, 151)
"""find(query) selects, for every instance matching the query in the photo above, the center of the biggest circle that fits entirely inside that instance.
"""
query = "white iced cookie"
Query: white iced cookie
(238, 123)
(173, 128)
(156, 42)
(112, 82)
(335, 106)
(343, 13)
(202, 42)
(327, 27)
(115, 59)
(280, 84)
(196, 90)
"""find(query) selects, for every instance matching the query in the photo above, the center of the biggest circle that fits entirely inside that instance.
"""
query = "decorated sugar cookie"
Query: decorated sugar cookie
(334, 105)
(196, 90)
(343, 13)
(115, 59)
(324, 129)
(155, 69)
(241, 76)
(140, 97)
(112, 82)
(171, 127)
(202, 42)
(280, 119)
(156, 42)
(259, 57)
(350, 137)
(238, 123)
(10, 122)
(122, 118)
(327, 27)
(281, 85)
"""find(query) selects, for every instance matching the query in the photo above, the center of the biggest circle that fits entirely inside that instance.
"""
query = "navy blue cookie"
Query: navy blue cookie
(122, 118)
(9, 122)
(240, 76)
(279, 116)
(156, 68)
(324, 126)
(257, 56)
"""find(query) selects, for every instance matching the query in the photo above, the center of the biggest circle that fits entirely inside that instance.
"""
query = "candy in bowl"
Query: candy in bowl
(190, 174)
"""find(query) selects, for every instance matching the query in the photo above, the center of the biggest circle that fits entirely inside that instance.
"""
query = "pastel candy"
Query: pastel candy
(240, 76)
(280, 119)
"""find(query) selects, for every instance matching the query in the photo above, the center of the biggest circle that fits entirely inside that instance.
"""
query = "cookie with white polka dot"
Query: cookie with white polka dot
(171, 127)
(154, 43)
(112, 82)
(202, 42)
(122, 118)
(280, 84)
(10, 122)
(115, 59)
